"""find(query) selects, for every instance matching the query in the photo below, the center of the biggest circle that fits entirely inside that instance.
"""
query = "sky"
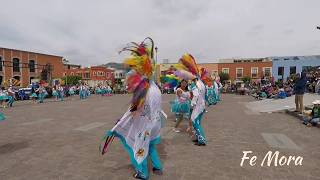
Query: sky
(92, 32)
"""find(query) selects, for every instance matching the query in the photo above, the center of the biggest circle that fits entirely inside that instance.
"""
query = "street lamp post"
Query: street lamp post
(156, 62)
(66, 61)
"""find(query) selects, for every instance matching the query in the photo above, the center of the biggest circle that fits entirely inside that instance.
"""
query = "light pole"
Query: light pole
(66, 61)
(156, 62)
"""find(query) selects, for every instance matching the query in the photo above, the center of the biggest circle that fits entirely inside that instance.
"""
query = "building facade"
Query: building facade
(255, 68)
(212, 68)
(285, 66)
(25, 66)
(72, 66)
(92, 75)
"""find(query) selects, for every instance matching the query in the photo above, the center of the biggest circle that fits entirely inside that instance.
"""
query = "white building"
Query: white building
(284, 66)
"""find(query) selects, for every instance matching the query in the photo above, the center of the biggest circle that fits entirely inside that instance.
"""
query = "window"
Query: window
(0, 64)
(17, 78)
(214, 73)
(94, 73)
(293, 70)
(79, 74)
(16, 65)
(225, 70)
(32, 66)
(254, 72)
(267, 71)
(239, 72)
(65, 74)
(31, 78)
(72, 74)
(306, 68)
(87, 75)
(280, 71)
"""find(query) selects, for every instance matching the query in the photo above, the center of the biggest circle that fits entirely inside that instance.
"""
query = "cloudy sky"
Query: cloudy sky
(92, 32)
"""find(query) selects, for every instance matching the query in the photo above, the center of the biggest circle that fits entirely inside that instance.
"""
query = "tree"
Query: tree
(224, 76)
(71, 80)
(65, 61)
(246, 79)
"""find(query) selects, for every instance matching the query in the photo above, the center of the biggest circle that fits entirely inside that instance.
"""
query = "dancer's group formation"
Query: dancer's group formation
(183, 105)
(40, 92)
(139, 128)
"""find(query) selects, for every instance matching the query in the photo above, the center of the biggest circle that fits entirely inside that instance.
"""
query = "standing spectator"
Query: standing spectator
(317, 86)
(299, 89)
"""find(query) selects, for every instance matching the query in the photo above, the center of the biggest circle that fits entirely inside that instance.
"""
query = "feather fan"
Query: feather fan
(189, 64)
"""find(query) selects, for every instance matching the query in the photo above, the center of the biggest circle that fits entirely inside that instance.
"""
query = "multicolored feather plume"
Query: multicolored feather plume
(141, 63)
(189, 64)
(205, 76)
(183, 74)
(170, 80)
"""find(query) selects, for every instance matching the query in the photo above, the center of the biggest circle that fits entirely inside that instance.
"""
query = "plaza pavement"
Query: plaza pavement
(59, 140)
(273, 105)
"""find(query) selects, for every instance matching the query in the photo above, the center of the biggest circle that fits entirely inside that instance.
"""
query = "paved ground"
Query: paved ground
(272, 105)
(59, 140)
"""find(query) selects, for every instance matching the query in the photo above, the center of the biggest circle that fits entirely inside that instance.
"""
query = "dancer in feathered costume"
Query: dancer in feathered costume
(33, 95)
(55, 93)
(139, 128)
(3, 98)
(98, 90)
(11, 96)
(42, 93)
(61, 92)
(82, 91)
(210, 93)
(181, 106)
(71, 91)
(217, 88)
(188, 63)
(2, 117)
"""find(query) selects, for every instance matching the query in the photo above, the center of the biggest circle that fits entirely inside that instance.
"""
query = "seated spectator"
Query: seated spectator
(313, 118)
(317, 86)
(262, 95)
(282, 94)
(288, 90)
(273, 92)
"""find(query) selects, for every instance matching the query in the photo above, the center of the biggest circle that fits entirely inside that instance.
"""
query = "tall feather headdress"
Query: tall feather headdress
(188, 63)
(205, 76)
(141, 63)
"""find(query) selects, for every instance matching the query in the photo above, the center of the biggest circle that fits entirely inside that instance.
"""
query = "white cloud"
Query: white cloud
(92, 32)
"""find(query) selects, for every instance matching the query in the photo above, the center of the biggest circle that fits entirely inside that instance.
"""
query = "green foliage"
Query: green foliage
(71, 80)
(246, 79)
(224, 76)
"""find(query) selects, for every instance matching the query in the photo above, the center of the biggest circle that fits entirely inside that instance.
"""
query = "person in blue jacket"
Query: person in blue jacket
(299, 89)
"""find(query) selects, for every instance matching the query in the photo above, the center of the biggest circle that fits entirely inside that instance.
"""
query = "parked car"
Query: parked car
(24, 93)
